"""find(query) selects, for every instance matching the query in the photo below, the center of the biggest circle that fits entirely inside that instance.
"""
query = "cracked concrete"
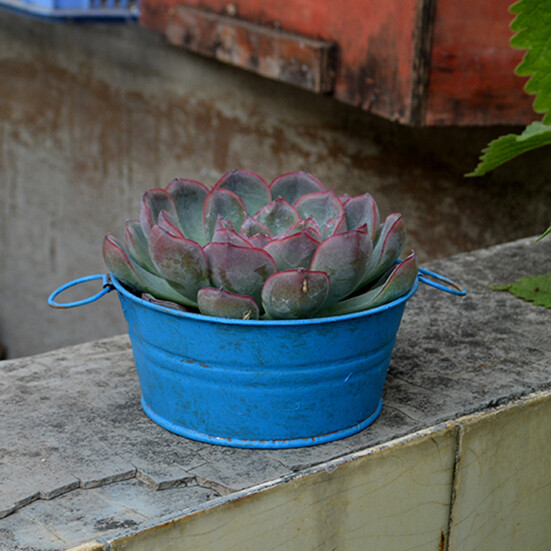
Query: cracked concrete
(79, 460)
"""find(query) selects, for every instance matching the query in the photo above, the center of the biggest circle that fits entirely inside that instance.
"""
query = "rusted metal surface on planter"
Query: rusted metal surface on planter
(420, 62)
(281, 56)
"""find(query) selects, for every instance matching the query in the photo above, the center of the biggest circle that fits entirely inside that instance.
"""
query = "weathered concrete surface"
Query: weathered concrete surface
(91, 116)
(79, 459)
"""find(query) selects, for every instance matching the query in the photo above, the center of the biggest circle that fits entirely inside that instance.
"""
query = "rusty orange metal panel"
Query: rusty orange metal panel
(419, 62)
(376, 41)
(281, 56)
(472, 78)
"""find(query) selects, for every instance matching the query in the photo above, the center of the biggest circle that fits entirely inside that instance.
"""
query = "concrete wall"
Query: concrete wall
(93, 115)
(480, 483)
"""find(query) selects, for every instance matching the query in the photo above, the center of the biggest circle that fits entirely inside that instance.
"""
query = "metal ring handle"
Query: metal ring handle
(450, 286)
(107, 287)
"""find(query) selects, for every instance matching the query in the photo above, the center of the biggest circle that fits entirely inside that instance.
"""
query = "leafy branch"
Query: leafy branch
(507, 147)
(532, 28)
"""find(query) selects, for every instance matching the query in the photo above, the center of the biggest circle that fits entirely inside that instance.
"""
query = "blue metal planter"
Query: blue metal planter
(260, 384)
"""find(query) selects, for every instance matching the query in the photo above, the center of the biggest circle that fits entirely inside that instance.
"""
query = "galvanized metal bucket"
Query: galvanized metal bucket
(260, 384)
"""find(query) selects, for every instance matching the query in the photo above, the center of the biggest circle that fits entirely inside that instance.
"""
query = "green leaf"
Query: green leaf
(535, 289)
(508, 147)
(544, 234)
(532, 26)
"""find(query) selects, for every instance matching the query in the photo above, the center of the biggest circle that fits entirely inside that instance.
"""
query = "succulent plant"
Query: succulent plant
(245, 249)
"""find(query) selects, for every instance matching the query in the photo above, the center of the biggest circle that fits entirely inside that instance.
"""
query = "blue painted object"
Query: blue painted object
(76, 10)
(260, 384)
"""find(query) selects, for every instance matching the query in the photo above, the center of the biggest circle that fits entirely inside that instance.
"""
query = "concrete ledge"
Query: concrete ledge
(466, 414)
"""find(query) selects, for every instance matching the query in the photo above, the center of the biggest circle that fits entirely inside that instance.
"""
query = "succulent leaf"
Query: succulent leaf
(396, 283)
(119, 263)
(292, 252)
(277, 215)
(308, 224)
(387, 248)
(223, 304)
(295, 294)
(260, 240)
(334, 226)
(250, 187)
(226, 235)
(344, 258)
(165, 303)
(137, 246)
(294, 185)
(362, 210)
(189, 197)
(251, 227)
(153, 202)
(322, 206)
(180, 261)
(124, 268)
(224, 203)
(169, 223)
(241, 270)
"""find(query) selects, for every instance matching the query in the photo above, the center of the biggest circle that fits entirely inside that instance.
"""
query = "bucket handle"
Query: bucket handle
(428, 277)
(107, 287)
(450, 287)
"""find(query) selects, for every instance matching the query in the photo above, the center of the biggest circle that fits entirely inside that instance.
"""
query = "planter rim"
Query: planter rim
(261, 323)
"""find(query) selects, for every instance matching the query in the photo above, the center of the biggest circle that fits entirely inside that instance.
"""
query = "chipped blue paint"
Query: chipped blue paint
(257, 383)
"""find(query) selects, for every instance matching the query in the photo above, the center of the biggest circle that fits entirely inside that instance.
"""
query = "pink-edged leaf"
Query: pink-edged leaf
(260, 240)
(277, 216)
(295, 294)
(334, 226)
(132, 274)
(309, 225)
(250, 187)
(226, 235)
(241, 270)
(153, 202)
(394, 284)
(223, 304)
(169, 223)
(224, 203)
(251, 226)
(294, 185)
(136, 244)
(164, 303)
(119, 263)
(180, 261)
(321, 206)
(343, 257)
(362, 210)
(292, 252)
(189, 197)
(387, 248)
(223, 224)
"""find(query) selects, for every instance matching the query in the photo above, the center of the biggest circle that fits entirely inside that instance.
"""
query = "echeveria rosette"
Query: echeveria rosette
(250, 250)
